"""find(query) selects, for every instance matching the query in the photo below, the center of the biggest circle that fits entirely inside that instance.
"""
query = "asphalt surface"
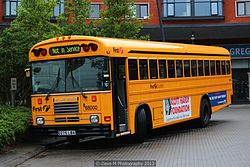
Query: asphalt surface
(225, 142)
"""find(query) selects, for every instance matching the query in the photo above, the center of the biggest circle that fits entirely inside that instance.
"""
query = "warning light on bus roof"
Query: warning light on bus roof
(93, 47)
(85, 47)
(39, 51)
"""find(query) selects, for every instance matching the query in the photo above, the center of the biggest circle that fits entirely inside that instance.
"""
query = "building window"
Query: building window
(10, 7)
(142, 11)
(94, 11)
(59, 9)
(243, 8)
(192, 8)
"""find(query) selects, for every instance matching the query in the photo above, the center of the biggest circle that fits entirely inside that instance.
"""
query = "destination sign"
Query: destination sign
(62, 50)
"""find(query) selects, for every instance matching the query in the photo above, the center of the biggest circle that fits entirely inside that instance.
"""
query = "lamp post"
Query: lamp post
(192, 38)
(160, 20)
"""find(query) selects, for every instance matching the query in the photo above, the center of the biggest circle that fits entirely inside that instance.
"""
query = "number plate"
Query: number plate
(66, 133)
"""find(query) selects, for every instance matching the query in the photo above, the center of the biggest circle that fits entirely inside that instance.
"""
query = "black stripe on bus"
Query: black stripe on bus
(176, 53)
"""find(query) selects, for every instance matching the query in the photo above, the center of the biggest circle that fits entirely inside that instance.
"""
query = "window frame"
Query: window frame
(142, 4)
(10, 15)
(237, 8)
(99, 5)
(166, 15)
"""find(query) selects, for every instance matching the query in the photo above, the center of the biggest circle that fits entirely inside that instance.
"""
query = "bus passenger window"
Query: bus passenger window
(171, 69)
(206, 64)
(179, 68)
(194, 67)
(228, 67)
(218, 67)
(143, 69)
(223, 67)
(212, 67)
(200, 68)
(187, 68)
(153, 69)
(133, 69)
(162, 66)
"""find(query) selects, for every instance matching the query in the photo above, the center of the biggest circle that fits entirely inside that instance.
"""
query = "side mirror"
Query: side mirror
(27, 72)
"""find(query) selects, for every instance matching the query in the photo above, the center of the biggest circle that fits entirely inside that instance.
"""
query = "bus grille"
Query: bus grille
(66, 108)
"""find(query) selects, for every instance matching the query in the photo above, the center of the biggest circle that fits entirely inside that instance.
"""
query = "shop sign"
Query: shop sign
(239, 50)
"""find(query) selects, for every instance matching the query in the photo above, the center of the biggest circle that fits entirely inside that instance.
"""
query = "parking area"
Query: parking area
(225, 142)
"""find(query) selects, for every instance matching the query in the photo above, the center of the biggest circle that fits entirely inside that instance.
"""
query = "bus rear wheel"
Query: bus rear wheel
(140, 126)
(205, 113)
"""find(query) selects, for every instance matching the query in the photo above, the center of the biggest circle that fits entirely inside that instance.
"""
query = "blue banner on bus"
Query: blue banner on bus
(218, 98)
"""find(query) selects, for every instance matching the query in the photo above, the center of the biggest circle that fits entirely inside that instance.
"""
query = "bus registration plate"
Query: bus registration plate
(66, 133)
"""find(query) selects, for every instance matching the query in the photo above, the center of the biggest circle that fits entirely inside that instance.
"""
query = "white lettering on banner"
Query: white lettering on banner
(240, 51)
(177, 108)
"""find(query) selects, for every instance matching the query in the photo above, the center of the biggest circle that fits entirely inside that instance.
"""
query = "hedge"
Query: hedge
(14, 121)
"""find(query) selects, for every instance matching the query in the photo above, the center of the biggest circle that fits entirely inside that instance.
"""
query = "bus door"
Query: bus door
(119, 94)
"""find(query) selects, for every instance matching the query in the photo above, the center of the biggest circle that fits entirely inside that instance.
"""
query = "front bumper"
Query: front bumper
(81, 130)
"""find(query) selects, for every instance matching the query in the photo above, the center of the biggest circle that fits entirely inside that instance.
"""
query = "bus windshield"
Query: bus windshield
(71, 75)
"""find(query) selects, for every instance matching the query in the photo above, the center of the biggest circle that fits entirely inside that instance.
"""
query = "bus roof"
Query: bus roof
(140, 46)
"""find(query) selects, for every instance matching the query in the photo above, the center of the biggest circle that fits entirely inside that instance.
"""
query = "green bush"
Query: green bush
(14, 121)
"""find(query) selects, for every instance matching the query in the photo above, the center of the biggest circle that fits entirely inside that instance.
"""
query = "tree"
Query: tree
(119, 20)
(73, 20)
(31, 26)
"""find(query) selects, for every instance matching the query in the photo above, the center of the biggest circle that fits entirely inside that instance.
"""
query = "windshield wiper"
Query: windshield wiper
(55, 84)
(78, 85)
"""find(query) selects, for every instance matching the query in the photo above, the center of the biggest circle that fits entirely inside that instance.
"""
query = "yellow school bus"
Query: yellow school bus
(91, 86)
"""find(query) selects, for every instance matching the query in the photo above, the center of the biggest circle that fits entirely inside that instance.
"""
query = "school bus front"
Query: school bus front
(71, 90)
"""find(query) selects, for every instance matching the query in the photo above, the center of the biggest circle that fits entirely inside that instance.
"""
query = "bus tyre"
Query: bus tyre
(205, 113)
(140, 126)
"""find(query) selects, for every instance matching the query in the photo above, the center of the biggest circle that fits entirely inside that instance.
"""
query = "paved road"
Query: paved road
(225, 142)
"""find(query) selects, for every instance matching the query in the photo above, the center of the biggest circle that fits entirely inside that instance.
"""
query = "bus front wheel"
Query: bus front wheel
(140, 126)
(205, 113)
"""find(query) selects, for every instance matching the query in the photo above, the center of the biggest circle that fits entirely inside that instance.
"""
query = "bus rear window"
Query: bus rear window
(153, 69)
(162, 66)
(218, 67)
(194, 67)
(171, 69)
(179, 68)
(228, 67)
(212, 67)
(187, 68)
(206, 64)
(223, 67)
(143, 69)
(200, 67)
(133, 69)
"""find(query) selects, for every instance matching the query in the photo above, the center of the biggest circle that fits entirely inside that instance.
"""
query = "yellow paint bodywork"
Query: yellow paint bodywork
(141, 91)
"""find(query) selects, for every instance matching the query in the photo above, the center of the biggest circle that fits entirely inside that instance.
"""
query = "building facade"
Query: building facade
(224, 23)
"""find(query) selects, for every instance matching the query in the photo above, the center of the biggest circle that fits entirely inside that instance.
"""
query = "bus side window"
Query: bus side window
(162, 69)
(179, 68)
(187, 68)
(212, 67)
(223, 67)
(171, 69)
(143, 69)
(228, 67)
(206, 64)
(153, 69)
(200, 68)
(194, 67)
(133, 69)
(218, 67)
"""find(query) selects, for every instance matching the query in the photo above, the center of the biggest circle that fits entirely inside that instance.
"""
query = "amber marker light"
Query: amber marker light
(93, 98)
(107, 118)
(39, 101)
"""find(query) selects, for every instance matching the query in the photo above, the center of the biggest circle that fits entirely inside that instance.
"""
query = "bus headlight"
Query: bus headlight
(39, 120)
(94, 119)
